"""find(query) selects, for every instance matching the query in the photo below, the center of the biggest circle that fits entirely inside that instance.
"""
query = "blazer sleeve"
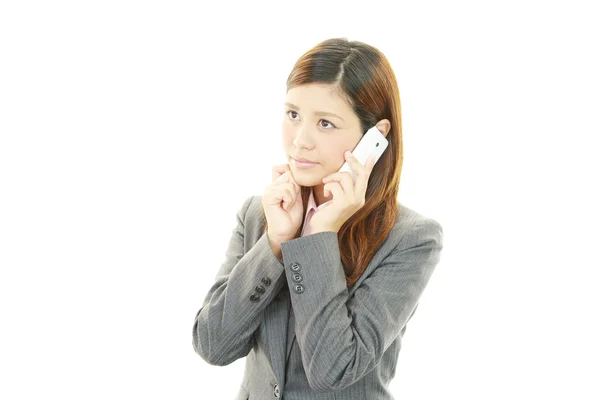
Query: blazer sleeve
(341, 338)
(225, 324)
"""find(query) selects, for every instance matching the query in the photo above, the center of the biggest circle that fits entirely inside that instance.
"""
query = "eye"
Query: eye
(291, 111)
(290, 114)
(327, 122)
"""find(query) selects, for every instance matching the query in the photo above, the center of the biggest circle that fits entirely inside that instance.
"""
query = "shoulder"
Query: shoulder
(252, 209)
(413, 228)
(251, 215)
(409, 220)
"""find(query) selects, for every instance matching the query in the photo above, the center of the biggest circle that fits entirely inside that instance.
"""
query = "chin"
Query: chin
(305, 178)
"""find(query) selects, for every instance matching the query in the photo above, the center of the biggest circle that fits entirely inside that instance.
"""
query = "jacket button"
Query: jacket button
(266, 281)
(260, 289)
(297, 277)
(299, 288)
(254, 298)
(276, 391)
(295, 266)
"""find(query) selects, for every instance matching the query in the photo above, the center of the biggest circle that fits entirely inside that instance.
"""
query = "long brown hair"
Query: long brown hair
(367, 82)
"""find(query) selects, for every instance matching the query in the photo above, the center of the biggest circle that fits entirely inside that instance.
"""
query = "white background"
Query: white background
(132, 131)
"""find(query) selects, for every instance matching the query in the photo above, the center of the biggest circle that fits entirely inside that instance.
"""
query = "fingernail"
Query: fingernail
(348, 154)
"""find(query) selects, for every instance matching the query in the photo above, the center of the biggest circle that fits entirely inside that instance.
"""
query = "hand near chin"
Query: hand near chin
(282, 204)
(348, 196)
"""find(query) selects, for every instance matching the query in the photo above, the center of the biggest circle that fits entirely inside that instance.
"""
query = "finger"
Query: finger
(290, 198)
(283, 178)
(344, 179)
(282, 194)
(270, 193)
(276, 192)
(288, 177)
(337, 176)
(333, 188)
(361, 171)
(287, 194)
(278, 170)
(353, 162)
(285, 185)
(362, 180)
(297, 187)
(346, 183)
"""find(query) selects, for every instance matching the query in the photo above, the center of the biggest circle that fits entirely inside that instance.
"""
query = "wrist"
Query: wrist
(275, 246)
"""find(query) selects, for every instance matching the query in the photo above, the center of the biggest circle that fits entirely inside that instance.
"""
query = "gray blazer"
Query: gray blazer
(305, 334)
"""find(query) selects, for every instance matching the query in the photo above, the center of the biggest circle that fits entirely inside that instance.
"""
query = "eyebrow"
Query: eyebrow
(316, 112)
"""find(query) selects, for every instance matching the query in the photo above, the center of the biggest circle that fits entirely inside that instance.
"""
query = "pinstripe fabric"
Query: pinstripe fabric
(323, 341)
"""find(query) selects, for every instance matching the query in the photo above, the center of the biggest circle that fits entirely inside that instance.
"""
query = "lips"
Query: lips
(304, 161)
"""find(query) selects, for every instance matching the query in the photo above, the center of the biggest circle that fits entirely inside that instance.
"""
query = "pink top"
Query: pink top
(310, 210)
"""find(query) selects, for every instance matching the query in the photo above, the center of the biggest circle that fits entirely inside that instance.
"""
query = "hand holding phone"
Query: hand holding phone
(330, 218)
(372, 142)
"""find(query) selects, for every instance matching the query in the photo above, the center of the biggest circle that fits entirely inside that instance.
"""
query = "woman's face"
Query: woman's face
(309, 133)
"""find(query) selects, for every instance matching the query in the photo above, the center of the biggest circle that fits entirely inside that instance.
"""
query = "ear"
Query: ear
(384, 126)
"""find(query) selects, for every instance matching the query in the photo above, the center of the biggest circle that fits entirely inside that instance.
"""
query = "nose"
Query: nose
(302, 139)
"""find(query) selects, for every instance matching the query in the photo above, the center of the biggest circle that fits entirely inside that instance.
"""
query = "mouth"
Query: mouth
(303, 164)
(303, 161)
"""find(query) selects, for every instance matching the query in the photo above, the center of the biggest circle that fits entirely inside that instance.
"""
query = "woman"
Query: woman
(322, 273)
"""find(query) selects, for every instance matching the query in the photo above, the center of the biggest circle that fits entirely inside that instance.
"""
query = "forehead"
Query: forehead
(318, 97)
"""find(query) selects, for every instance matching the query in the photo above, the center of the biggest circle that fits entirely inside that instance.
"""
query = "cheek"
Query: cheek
(287, 133)
(336, 156)
(336, 152)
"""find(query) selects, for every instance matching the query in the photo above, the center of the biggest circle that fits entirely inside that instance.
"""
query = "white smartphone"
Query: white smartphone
(372, 142)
